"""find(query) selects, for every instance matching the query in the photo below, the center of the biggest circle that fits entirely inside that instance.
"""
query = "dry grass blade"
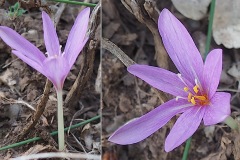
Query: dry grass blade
(11, 101)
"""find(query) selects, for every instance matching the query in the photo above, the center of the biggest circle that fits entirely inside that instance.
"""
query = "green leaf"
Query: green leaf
(16, 6)
(20, 12)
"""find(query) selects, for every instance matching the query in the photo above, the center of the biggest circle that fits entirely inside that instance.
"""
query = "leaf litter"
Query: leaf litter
(209, 143)
(22, 87)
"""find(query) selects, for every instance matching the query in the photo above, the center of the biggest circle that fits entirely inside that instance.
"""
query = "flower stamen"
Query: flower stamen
(196, 97)
(189, 97)
(179, 97)
(186, 89)
(193, 101)
(195, 89)
(180, 77)
(202, 98)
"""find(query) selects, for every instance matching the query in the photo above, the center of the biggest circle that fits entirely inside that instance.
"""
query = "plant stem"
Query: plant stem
(186, 149)
(209, 34)
(75, 2)
(61, 141)
(52, 134)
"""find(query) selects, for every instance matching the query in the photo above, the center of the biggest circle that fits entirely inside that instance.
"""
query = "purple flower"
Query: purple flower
(194, 87)
(56, 65)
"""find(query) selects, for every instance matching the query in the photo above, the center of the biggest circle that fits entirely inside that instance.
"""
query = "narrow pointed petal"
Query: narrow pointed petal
(29, 61)
(77, 37)
(218, 110)
(159, 78)
(140, 128)
(50, 36)
(184, 128)
(74, 55)
(212, 71)
(57, 69)
(19, 43)
(180, 46)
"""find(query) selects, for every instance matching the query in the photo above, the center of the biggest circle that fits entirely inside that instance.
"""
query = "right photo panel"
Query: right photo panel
(170, 72)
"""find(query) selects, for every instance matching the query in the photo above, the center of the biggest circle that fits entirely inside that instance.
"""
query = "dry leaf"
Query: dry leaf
(226, 79)
(109, 155)
(194, 9)
(110, 29)
(236, 150)
(235, 71)
(117, 121)
(6, 78)
(226, 23)
(217, 156)
(124, 103)
(209, 132)
(125, 39)
(36, 149)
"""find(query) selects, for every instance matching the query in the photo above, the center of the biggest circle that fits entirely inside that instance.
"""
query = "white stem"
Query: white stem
(60, 121)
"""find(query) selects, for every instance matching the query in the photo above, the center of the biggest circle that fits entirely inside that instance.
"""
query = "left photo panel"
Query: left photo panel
(50, 79)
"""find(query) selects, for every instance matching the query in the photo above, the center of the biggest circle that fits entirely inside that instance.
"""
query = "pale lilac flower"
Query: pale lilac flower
(56, 65)
(194, 87)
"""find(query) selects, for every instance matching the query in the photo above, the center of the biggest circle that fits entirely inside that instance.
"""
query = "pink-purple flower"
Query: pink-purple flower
(194, 87)
(57, 64)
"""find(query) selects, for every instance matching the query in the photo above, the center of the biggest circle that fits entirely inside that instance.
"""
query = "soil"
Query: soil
(21, 88)
(126, 97)
(106, 82)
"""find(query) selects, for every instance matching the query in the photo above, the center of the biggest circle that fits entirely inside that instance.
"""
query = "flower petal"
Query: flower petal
(218, 110)
(180, 46)
(73, 56)
(140, 128)
(50, 36)
(212, 71)
(159, 78)
(19, 43)
(57, 69)
(29, 61)
(77, 37)
(185, 126)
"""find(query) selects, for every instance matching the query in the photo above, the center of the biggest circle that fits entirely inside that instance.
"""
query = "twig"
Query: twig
(40, 109)
(111, 47)
(80, 144)
(152, 10)
(75, 2)
(59, 13)
(115, 50)
(143, 16)
(11, 101)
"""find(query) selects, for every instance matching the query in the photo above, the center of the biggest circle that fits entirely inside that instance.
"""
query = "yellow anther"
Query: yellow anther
(195, 88)
(185, 89)
(189, 97)
(193, 101)
(203, 98)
